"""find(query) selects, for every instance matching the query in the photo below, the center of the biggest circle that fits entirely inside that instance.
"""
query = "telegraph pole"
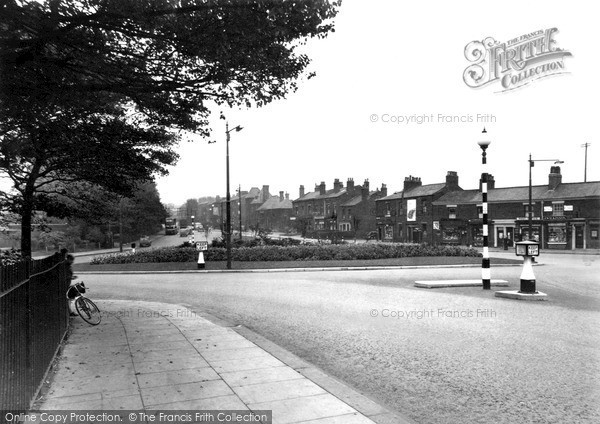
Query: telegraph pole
(586, 145)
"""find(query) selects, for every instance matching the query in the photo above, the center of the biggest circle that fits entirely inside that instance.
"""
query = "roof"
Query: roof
(275, 202)
(521, 194)
(254, 192)
(460, 197)
(420, 191)
(329, 194)
(357, 199)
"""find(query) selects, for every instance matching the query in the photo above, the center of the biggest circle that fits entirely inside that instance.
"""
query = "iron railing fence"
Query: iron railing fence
(34, 318)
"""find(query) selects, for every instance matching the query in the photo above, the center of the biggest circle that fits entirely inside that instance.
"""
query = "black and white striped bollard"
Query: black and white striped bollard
(485, 263)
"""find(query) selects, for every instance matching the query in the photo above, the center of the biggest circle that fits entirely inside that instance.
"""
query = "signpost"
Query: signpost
(201, 246)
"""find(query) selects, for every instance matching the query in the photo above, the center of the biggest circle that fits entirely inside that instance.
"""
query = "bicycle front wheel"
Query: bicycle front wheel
(88, 310)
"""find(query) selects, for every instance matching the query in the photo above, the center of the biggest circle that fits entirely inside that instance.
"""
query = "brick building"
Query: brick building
(337, 212)
(407, 216)
(275, 213)
(565, 215)
(357, 215)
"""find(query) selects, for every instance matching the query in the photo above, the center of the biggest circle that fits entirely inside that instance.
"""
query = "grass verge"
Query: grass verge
(222, 265)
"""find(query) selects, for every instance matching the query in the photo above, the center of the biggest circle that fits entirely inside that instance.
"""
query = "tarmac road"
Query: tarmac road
(442, 355)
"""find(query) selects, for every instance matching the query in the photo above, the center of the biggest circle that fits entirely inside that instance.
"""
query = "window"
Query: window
(594, 231)
(452, 212)
(558, 209)
(480, 211)
(388, 232)
(526, 210)
(424, 207)
(557, 233)
(387, 208)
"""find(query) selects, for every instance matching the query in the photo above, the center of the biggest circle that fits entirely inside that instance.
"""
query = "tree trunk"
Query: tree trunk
(26, 220)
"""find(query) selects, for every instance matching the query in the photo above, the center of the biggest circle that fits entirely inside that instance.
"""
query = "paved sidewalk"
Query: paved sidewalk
(154, 356)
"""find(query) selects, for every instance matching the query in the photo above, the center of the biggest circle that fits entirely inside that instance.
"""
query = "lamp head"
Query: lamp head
(559, 162)
(484, 144)
(238, 128)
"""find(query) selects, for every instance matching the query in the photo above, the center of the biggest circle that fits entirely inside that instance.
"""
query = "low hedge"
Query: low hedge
(288, 253)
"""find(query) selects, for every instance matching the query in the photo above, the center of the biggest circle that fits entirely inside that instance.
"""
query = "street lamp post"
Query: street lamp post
(530, 204)
(228, 199)
(240, 207)
(485, 262)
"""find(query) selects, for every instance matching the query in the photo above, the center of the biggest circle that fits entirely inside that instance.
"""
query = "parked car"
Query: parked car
(184, 232)
(145, 241)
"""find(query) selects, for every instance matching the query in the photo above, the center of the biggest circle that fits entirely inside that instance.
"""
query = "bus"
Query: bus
(171, 227)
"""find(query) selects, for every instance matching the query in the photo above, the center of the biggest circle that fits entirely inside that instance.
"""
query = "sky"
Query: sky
(392, 59)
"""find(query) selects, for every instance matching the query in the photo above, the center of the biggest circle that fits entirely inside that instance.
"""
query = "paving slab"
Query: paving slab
(169, 378)
(246, 377)
(141, 358)
(185, 392)
(277, 390)
(305, 408)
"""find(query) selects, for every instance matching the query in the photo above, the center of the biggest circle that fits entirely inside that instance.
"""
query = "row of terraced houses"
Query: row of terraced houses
(565, 215)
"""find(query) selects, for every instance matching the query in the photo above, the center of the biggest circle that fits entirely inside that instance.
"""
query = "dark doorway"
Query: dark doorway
(579, 237)
(415, 235)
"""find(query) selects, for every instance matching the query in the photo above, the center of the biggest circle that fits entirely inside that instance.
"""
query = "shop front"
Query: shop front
(504, 232)
(385, 229)
(593, 235)
(475, 232)
(522, 228)
(561, 233)
(453, 232)
(557, 235)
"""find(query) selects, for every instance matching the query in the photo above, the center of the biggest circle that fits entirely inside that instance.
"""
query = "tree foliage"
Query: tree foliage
(167, 58)
(92, 91)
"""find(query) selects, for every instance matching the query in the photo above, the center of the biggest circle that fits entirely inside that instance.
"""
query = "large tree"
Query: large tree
(91, 91)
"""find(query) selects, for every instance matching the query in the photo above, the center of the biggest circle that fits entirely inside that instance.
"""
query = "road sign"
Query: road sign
(202, 245)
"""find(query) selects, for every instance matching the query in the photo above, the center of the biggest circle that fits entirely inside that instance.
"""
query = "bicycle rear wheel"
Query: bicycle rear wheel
(88, 310)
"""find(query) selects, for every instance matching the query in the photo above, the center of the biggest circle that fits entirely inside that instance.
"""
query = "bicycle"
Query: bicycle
(86, 309)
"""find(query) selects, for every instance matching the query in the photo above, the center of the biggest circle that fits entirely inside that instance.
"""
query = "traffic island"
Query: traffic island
(516, 294)
(436, 284)
(529, 250)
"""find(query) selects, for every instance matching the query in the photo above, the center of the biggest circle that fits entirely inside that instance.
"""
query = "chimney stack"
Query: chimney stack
(281, 196)
(265, 193)
(365, 190)
(301, 191)
(452, 180)
(411, 182)
(383, 190)
(350, 187)
(321, 188)
(337, 185)
(554, 178)
(490, 181)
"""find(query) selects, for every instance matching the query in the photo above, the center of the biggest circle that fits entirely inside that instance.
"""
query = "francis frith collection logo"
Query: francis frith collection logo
(516, 62)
